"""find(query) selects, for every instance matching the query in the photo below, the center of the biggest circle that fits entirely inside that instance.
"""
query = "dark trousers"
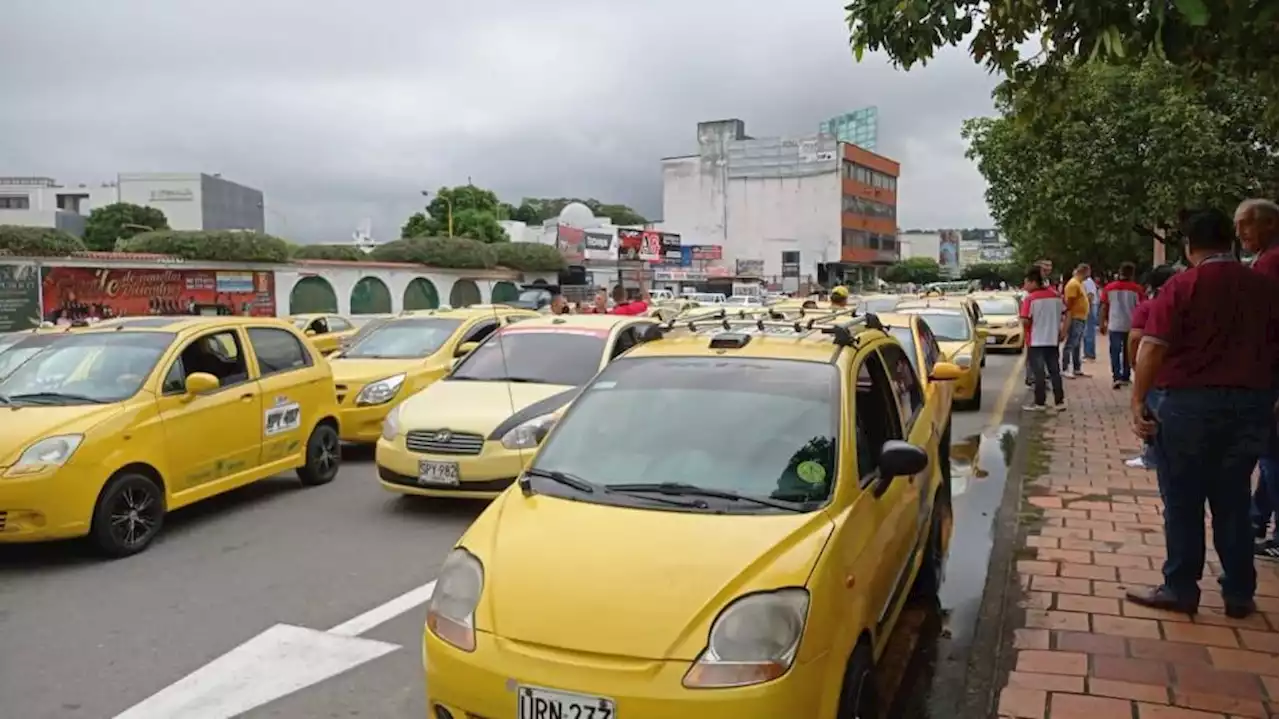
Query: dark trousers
(1116, 342)
(1266, 496)
(1071, 348)
(1207, 443)
(1044, 361)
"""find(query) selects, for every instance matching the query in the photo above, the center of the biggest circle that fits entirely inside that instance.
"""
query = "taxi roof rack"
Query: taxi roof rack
(825, 323)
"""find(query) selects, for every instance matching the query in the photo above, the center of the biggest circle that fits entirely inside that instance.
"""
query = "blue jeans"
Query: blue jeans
(1091, 333)
(1266, 496)
(1116, 342)
(1206, 445)
(1071, 348)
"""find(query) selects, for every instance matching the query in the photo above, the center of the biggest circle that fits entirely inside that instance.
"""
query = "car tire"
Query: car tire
(324, 456)
(858, 696)
(128, 515)
(932, 562)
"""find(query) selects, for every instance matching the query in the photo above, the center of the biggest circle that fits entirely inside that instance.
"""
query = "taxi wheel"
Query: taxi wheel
(858, 698)
(129, 514)
(324, 456)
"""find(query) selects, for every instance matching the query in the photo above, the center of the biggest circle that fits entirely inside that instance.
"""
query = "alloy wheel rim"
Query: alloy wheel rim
(326, 455)
(135, 515)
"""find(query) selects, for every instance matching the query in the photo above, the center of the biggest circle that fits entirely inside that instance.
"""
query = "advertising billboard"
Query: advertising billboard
(749, 268)
(72, 293)
(639, 245)
(706, 252)
(570, 240)
(599, 245)
(670, 248)
(949, 249)
(19, 297)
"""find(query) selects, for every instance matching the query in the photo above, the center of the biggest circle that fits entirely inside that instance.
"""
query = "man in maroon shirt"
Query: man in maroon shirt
(1208, 355)
(1256, 226)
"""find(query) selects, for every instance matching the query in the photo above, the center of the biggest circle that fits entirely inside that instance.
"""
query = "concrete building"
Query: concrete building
(786, 204)
(190, 201)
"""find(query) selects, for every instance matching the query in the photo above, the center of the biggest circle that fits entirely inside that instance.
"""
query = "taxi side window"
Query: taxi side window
(929, 344)
(626, 340)
(480, 331)
(277, 350)
(338, 324)
(217, 353)
(902, 376)
(875, 414)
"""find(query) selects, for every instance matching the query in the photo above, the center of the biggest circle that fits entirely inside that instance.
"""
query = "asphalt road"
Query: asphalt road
(86, 639)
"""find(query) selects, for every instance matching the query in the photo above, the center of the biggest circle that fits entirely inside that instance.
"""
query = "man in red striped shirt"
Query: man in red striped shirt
(1119, 300)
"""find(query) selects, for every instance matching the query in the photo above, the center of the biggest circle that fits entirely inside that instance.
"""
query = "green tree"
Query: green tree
(536, 210)
(920, 270)
(348, 253)
(1212, 40)
(529, 257)
(478, 225)
(453, 252)
(1127, 145)
(991, 274)
(217, 245)
(120, 221)
(473, 212)
(419, 225)
(20, 241)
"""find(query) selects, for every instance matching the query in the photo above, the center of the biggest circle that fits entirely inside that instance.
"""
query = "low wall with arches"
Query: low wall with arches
(355, 288)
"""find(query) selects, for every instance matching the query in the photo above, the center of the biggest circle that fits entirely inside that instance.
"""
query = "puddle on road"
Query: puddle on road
(930, 647)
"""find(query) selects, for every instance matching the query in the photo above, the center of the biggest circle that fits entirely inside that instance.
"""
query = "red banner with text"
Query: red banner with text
(76, 293)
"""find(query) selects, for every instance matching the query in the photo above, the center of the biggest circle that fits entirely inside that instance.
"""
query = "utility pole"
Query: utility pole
(448, 204)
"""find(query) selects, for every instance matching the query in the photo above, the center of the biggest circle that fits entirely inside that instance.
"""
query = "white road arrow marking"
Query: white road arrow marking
(278, 662)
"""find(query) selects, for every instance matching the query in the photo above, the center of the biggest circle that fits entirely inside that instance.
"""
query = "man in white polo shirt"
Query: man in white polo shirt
(1044, 322)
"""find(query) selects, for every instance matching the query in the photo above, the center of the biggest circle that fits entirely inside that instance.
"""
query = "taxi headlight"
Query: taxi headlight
(381, 391)
(391, 424)
(451, 614)
(530, 434)
(50, 451)
(964, 359)
(1013, 323)
(754, 640)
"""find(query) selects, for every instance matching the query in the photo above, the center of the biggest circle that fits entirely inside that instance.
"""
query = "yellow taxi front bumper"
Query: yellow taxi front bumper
(46, 505)
(363, 424)
(1004, 338)
(482, 475)
(489, 682)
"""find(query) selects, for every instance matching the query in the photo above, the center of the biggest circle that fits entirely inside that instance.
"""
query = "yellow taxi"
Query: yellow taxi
(327, 332)
(471, 433)
(960, 341)
(878, 302)
(404, 355)
(107, 429)
(653, 560)
(1000, 312)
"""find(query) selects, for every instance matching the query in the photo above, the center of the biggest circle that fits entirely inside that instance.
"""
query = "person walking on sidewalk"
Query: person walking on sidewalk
(1044, 325)
(1257, 224)
(1091, 290)
(1155, 280)
(1077, 301)
(1118, 301)
(1046, 268)
(1209, 356)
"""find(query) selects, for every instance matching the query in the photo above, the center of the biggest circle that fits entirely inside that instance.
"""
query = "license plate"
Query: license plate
(546, 704)
(993, 340)
(438, 473)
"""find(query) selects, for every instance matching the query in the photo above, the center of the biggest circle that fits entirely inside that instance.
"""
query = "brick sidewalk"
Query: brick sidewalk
(1082, 651)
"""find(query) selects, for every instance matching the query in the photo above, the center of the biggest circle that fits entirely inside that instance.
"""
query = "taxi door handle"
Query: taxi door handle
(246, 396)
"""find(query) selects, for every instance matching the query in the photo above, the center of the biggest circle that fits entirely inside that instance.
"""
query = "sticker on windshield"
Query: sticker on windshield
(607, 384)
(811, 472)
(283, 418)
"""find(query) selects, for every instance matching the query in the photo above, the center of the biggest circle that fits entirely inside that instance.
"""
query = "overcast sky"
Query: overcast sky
(340, 110)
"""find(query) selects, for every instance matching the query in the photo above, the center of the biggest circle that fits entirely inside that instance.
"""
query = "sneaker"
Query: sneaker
(1034, 408)
(1060, 406)
(1078, 373)
(1116, 384)
(1068, 375)
(1136, 463)
(1266, 549)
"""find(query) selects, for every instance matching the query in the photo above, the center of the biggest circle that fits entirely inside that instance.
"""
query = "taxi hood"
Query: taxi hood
(21, 426)
(640, 583)
(358, 371)
(480, 407)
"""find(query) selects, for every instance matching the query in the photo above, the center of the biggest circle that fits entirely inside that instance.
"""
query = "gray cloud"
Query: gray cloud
(342, 110)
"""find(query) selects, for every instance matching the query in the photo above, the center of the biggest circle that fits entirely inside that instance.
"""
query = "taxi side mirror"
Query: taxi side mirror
(945, 372)
(465, 349)
(898, 459)
(199, 383)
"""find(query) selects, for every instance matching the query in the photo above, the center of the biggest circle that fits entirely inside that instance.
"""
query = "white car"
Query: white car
(745, 301)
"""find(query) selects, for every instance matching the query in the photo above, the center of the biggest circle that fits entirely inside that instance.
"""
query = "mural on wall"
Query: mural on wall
(19, 297)
(949, 248)
(84, 293)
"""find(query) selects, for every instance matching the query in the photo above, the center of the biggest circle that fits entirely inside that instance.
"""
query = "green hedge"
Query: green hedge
(346, 253)
(449, 252)
(37, 242)
(528, 256)
(219, 245)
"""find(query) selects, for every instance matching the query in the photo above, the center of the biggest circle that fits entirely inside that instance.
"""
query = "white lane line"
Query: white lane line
(277, 662)
(382, 613)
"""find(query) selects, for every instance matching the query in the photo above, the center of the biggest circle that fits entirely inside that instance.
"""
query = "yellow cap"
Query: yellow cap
(840, 291)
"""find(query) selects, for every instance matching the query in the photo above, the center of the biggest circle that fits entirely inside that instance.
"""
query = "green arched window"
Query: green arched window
(464, 294)
(312, 295)
(370, 296)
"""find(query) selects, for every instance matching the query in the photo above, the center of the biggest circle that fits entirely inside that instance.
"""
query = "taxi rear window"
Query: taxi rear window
(563, 357)
(758, 427)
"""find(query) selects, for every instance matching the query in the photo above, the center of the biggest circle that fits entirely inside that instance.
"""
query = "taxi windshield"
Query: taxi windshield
(564, 357)
(12, 356)
(951, 327)
(999, 306)
(679, 421)
(90, 368)
(879, 304)
(7, 340)
(408, 338)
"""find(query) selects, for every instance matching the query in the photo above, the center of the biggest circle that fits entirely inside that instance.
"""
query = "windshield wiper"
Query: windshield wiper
(523, 380)
(55, 396)
(569, 480)
(4, 400)
(691, 490)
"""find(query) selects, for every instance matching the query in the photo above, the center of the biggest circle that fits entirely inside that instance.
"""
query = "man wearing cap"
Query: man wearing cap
(840, 296)
(1208, 355)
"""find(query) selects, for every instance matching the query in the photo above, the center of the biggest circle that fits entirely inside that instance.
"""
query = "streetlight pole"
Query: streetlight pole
(448, 204)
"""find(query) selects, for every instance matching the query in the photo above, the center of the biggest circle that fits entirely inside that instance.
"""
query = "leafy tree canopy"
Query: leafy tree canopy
(1127, 145)
(991, 274)
(454, 252)
(37, 242)
(347, 253)
(536, 210)
(474, 212)
(217, 245)
(529, 257)
(1212, 40)
(120, 221)
(920, 270)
